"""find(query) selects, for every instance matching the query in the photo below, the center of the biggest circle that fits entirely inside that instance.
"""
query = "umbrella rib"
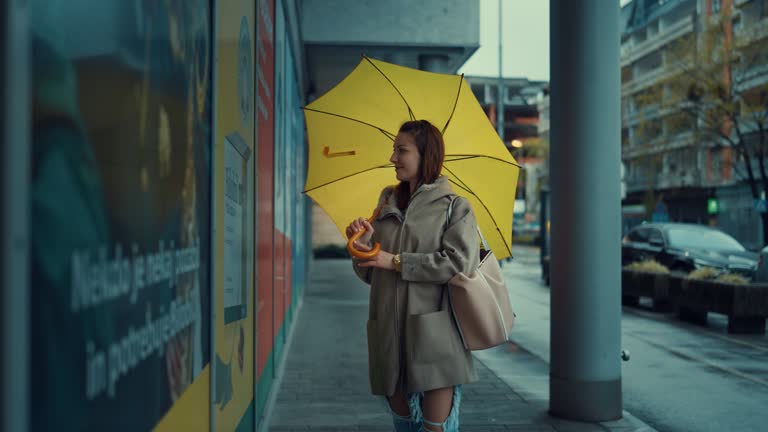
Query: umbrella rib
(346, 177)
(410, 112)
(388, 134)
(466, 156)
(455, 102)
(463, 187)
(459, 182)
(460, 158)
(485, 207)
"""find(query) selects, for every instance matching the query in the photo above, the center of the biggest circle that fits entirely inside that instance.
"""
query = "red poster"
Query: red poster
(265, 79)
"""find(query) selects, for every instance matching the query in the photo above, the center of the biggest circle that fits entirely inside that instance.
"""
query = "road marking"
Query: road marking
(702, 360)
(696, 329)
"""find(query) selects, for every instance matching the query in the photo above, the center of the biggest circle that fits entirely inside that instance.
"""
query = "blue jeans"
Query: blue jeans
(416, 422)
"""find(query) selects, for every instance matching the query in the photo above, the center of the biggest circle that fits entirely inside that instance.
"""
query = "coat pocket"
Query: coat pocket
(431, 337)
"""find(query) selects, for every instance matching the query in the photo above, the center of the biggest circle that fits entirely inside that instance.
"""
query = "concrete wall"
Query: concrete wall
(434, 35)
(435, 22)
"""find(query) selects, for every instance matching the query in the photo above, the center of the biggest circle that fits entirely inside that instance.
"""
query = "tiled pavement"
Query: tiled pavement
(324, 383)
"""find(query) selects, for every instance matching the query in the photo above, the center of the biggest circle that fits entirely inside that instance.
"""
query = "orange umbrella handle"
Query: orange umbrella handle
(362, 254)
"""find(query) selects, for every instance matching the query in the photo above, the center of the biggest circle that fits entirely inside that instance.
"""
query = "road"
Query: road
(681, 377)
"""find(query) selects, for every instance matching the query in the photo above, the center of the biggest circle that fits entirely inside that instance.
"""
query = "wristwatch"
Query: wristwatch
(397, 263)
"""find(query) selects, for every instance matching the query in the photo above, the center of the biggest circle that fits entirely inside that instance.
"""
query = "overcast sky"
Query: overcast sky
(525, 33)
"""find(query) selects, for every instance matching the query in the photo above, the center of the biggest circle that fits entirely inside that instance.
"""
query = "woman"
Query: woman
(415, 355)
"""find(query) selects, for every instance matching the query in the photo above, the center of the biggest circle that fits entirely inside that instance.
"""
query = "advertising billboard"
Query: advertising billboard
(119, 212)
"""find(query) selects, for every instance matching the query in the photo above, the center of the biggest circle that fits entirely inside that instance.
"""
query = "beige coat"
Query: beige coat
(413, 342)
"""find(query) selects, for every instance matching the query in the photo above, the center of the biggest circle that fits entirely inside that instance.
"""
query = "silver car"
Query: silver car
(761, 275)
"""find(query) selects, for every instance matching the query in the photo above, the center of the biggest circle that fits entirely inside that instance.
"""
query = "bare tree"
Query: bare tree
(717, 76)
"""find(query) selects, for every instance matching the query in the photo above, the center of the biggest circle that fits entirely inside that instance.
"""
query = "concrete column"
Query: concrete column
(585, 370)
(14, 215)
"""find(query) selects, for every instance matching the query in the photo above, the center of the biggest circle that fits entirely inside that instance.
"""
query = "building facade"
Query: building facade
(672, 167)
(662, 161)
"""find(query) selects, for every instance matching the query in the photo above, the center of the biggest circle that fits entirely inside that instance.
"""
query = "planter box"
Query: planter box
(745, 305)
(636, 284)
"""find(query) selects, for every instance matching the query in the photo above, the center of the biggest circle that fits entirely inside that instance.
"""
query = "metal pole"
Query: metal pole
(14, 220)
(500, 89)
(585, 370)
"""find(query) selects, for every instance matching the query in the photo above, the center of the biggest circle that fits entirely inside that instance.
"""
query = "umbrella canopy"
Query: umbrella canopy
(352, 127)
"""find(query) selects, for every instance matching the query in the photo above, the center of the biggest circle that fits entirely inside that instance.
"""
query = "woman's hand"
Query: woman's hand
(356, 226)
(382, 260)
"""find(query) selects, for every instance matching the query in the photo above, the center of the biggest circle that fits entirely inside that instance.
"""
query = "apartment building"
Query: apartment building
(672, 168)
(659, 154)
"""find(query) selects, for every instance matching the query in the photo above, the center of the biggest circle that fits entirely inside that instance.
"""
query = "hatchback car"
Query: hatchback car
(685, 247)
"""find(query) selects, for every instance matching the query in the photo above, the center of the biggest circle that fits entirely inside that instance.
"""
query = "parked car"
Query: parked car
(761, 275)
(526, 232)
(685, 247)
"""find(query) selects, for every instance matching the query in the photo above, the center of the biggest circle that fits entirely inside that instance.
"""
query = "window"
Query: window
(650, 130)
(510, 93)
(626, 74)
(639, 36)
(639, 235)
(737, 23)
(716, 6)
(679, 123)
(654, 235)
(479, 91)
(652, 29)
(490, 94)
(648, 63)
(716, 164)
(698, 238)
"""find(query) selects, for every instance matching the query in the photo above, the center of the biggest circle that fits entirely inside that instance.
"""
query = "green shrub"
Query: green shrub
(732, 279)
(649, 266)
(331, 251)
(704, 273)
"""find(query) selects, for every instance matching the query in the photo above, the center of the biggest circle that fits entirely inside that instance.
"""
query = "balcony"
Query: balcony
(665, 108)
(753, 27)
(756, 76)
(689, 178)
(649, 112)
(661, 181)
(665, 36)
(663, 73)
(637, 184)
(661, 144)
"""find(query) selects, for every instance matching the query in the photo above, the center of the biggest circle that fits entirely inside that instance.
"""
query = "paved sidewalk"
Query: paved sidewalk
(324, 385)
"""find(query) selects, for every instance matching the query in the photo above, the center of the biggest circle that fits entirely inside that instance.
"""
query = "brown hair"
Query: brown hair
(429, 141)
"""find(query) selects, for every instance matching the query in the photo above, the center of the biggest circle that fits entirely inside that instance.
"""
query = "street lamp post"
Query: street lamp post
(500, 89)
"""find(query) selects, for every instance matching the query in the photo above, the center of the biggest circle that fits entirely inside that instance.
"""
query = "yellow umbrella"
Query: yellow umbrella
(351, 129)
